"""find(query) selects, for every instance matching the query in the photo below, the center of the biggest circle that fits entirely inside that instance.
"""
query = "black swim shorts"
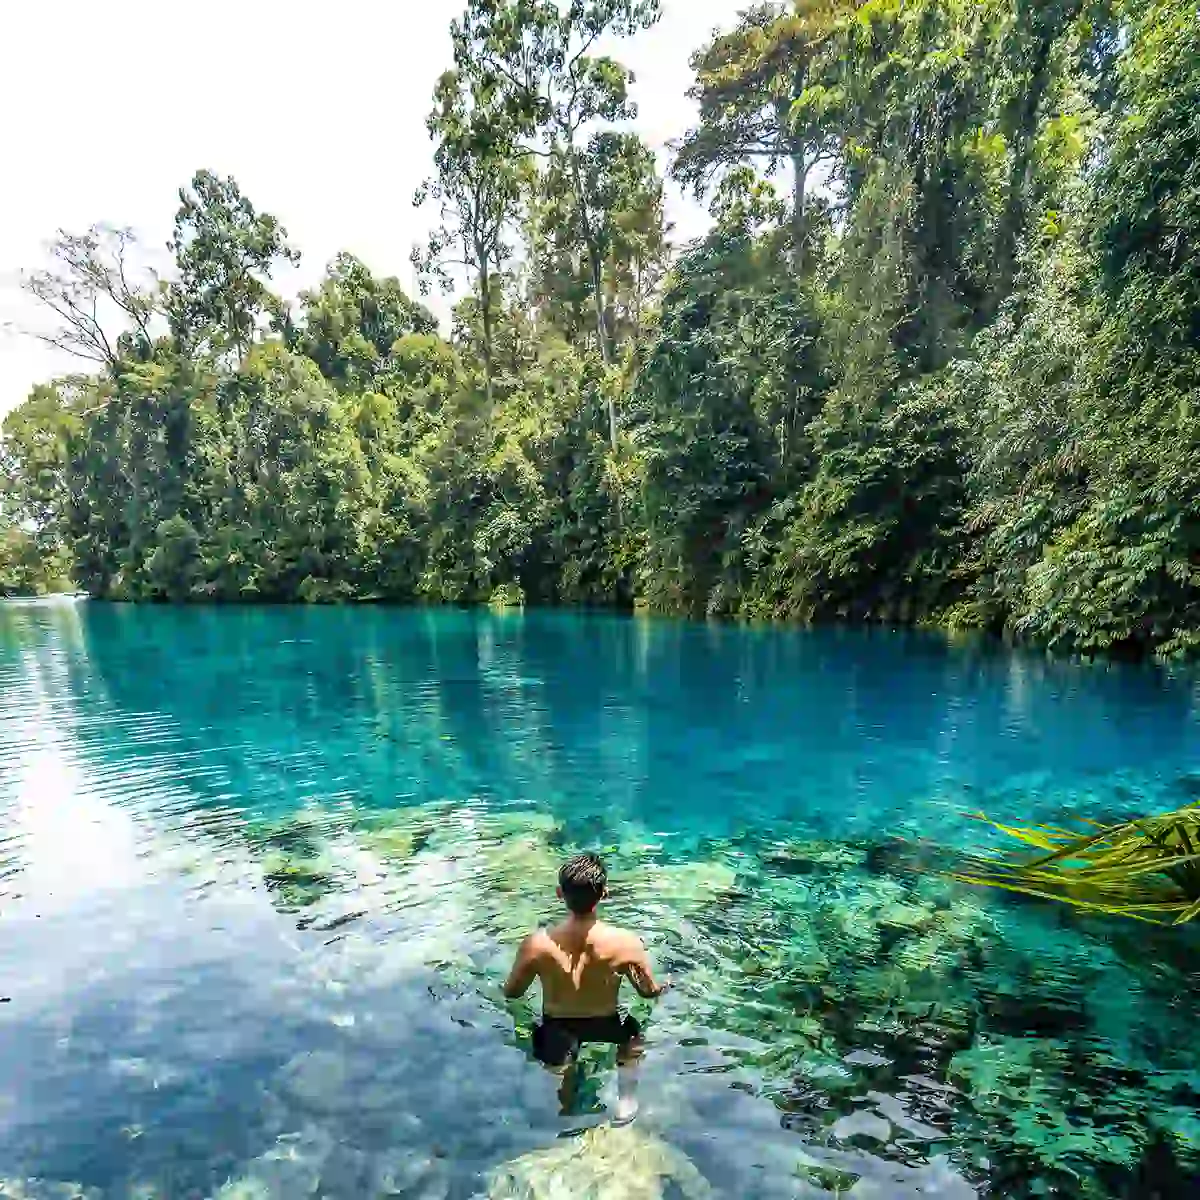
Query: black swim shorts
(556, 1040)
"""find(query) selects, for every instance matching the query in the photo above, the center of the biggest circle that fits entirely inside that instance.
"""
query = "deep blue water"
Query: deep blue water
(262, 871)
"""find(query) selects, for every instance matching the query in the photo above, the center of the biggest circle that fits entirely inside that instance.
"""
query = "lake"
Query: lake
(262, 873)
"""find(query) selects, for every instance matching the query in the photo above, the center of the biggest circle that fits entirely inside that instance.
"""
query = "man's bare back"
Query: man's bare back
(581, 962)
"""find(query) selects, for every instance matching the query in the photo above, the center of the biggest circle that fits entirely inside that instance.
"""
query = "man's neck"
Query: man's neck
(581, 921)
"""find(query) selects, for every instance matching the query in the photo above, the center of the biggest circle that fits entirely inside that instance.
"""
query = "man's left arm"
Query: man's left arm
(638, 971)
(524, 970)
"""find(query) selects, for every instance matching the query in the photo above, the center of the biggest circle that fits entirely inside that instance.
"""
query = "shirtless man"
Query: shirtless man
(581, 962)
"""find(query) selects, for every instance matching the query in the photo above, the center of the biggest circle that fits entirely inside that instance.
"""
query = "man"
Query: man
(581, 962)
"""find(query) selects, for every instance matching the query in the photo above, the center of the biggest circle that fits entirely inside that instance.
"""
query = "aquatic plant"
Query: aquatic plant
(1147, 868)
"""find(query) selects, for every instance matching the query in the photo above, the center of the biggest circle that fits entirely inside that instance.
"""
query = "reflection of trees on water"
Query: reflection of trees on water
(374, 705)
(672, 723)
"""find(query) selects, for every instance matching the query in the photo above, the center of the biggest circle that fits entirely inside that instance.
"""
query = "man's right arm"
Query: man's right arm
(638, 971)
(524, 970)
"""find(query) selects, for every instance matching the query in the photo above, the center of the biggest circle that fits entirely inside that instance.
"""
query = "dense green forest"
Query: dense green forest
(937, 360)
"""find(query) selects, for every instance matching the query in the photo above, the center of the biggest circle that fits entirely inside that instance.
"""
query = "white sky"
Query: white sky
(317, 110)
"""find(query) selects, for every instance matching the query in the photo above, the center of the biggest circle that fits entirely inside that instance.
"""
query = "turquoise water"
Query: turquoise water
(262, 872)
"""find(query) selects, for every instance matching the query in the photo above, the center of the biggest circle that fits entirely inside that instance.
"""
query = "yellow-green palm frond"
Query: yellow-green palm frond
(1147, 869)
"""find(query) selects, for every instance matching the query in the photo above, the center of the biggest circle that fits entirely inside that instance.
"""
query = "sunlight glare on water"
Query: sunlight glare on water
(262, 872)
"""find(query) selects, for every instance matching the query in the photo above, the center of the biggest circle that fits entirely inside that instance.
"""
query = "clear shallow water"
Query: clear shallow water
(262, 872)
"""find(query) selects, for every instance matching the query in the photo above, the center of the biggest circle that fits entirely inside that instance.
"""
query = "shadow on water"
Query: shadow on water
(261, 873)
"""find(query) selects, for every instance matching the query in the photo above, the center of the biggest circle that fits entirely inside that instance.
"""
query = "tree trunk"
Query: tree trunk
(1019, 203)
(485, 315)
(637, 303)
(799, 202)
(597, 274)
(597, 279)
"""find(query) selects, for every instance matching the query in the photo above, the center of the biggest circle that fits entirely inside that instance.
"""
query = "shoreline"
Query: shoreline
(957, 637)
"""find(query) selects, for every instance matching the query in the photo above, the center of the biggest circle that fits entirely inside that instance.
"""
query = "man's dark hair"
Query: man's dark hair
(583, 880)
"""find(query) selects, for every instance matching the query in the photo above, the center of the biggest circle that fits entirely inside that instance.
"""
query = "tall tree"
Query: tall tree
(767, 92)
(537, 57)
(1125, 576)
(352, 319)
(38, 440)
(477, 189)
(102, 299)
(225, 252)
(630, 234)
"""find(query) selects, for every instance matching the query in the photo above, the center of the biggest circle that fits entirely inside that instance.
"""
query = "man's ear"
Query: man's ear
(558, 892)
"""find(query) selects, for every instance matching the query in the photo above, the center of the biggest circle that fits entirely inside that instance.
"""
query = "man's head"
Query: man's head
(583, 883)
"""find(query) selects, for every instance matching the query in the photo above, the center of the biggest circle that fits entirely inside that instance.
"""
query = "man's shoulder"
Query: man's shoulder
(535, 940)
(615, 936)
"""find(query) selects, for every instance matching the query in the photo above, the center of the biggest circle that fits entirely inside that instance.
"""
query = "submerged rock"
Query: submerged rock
(291, 1168)
(693, 882)
(45, 1189)
(808, 857)
(244, 1189)
(1030, 1103)
(396, 844)
(862, 1124)
(397, 834)
(606, 1163)
(298, 881)
(301, 834)
(519, 862)
(412, 1173)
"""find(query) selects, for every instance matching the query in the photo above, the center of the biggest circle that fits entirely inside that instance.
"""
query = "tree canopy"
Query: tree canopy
(937, 359)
